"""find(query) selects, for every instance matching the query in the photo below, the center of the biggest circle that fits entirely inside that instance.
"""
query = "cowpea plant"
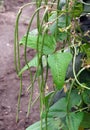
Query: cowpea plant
(67, 107)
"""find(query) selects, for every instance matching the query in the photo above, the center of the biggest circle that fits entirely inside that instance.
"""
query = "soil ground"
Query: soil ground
(9, 82)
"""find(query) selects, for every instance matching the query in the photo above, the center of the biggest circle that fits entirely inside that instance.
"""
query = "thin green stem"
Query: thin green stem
(82, 109)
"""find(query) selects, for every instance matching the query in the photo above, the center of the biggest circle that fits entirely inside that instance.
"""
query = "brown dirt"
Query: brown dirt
(9, 82)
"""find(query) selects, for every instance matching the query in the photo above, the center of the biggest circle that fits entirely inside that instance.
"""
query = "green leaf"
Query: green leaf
(86, 96)
(33, 63)
(61, 24)
(74, 120)
(59, 109)
(86, 120)
(34, 32)
(75, 98)
(31, 41)
(64, 21)
(53, 26)
(61, 21)
(58, 63)
(52, 124)
(49, 44)
(62, 36)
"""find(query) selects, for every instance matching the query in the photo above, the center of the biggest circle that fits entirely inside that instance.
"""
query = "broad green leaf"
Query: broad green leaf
(34, 32)
(58, 63)
(86, 96)
(59, 109)
(52, 16)
(86, 120)
(62, 36)
(53, 26)
(75, 98)
(64, 21)
(33, 63)
(31, 41)
(52, 124)
(49, 44)
(61, 24)
(74, 120)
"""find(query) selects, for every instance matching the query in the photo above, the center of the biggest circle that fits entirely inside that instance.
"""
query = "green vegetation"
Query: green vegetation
(63, 48)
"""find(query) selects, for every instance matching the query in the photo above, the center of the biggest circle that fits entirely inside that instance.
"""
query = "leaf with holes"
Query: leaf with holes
(58, 63)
